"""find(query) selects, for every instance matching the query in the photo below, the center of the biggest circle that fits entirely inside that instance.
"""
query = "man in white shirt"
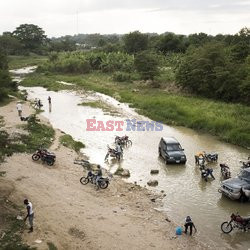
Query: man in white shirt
(30, 213)
(19, 108)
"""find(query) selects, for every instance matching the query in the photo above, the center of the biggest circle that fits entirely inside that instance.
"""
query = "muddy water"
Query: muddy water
(186, 193)
(18, 74)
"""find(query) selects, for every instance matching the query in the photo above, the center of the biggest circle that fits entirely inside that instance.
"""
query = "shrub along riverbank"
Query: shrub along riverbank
(230, 122)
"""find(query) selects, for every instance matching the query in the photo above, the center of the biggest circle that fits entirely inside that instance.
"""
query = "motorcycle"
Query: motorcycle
(245, 164)
(205, 172)
(45, 156)
(211, 157)
(124, 141)
(102, 182)
(113, 153)
(236, 222)
(225, 171)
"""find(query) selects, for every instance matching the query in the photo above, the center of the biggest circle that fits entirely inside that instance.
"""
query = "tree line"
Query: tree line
(212, 66)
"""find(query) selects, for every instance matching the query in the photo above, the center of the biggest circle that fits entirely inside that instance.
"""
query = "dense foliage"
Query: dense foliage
(212, 71)
(211, 66)
(6, 84)
(84, 62)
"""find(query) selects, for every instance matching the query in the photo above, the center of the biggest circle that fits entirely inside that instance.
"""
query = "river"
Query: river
(186, 193)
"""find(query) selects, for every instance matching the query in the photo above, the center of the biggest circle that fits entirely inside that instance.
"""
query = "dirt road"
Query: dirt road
(73, 216)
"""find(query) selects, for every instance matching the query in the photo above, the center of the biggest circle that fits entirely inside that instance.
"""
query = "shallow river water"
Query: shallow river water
(186, 193)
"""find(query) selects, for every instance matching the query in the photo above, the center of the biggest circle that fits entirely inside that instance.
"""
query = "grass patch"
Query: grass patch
(16, 62)
(95, 104)
(38, 134)
(101, 105)
(51, 246)
(69, 142)
(230, 122)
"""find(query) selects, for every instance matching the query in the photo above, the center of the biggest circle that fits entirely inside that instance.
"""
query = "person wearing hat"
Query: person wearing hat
(189, 224)
(30, 213)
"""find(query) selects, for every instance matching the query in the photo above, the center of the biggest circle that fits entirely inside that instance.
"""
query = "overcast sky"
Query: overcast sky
(68, 17)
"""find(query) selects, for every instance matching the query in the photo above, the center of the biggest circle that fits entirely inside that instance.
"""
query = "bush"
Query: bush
(209, 71)
(121, 77)
(146, 63)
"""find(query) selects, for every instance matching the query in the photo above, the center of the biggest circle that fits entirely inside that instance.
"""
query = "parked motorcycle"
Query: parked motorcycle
(225, 171)
(245, 164)
(236, 222)
(45, 156)
(102, 182)
(113, 153)
(211, 157)
(124, 141)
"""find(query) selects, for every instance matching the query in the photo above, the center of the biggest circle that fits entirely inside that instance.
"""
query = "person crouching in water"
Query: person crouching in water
(30, 213)
(189, 224)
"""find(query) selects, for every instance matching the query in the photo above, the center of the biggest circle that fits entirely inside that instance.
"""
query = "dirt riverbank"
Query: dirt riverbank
(72, 216)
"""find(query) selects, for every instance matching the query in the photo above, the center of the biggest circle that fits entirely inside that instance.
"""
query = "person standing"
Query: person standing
(189, 224)
(19, 108)
(49, 99)
(30, 213)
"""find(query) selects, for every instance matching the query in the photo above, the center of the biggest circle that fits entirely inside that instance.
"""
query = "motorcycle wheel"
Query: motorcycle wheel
(226, 227)
(103, 184)
(35, 157)
(50, 162)
(128, 143)
(84, 180)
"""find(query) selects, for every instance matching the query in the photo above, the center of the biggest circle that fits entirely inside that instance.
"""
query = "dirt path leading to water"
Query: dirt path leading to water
(73, 216)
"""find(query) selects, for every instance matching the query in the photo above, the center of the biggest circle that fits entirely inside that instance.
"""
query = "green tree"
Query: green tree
(198, 39)
(171, 43)
(208, 71)
(241, 45)
(31, 36)
(6, 84)
(245, 85)
(10, 44)
(146, 63)
(135, 42)
(62, 45)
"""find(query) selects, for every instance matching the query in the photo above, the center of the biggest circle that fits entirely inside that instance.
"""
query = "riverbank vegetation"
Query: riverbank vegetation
(34, 136)
(69, 142)
(7, 86)
(230, 122)
(198, 81)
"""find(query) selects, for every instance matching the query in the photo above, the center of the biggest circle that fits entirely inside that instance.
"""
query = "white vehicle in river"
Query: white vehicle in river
(237, 188)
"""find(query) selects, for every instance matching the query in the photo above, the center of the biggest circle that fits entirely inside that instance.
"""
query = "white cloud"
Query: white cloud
(59, 17)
